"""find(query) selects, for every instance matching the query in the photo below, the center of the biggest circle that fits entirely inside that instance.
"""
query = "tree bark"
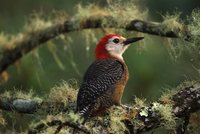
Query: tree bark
(32, 40)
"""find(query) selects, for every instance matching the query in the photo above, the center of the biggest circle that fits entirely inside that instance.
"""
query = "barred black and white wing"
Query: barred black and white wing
(98, 85)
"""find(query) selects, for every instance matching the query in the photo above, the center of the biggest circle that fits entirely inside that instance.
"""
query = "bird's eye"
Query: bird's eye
(116, 40)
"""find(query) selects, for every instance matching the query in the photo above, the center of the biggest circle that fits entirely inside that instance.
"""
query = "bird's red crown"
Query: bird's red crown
(101, 52)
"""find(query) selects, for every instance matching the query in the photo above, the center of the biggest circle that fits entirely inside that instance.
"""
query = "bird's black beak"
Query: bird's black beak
(131, 40)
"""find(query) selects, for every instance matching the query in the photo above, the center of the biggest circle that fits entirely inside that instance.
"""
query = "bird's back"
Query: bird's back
(102, 86)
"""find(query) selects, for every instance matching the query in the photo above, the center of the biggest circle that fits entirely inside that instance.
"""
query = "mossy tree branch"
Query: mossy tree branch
(30, 106)
(184, 102)
(60, 125)
(31, 40)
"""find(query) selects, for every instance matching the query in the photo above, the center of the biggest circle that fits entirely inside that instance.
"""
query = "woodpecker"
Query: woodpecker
(105, 79)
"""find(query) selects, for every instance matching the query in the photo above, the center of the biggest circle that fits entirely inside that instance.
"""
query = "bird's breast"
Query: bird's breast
(120, 85)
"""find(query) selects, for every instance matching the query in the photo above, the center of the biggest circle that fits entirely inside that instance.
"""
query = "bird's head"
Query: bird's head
(113, 46)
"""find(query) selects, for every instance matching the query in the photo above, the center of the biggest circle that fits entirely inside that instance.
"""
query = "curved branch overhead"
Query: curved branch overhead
(32, 40)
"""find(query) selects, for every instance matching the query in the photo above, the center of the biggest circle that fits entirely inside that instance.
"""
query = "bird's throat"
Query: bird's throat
(110, 56)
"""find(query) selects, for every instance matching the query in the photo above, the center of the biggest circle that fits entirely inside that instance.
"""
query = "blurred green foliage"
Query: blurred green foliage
(150, 64)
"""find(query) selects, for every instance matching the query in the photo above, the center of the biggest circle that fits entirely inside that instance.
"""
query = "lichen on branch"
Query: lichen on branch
(137, 117)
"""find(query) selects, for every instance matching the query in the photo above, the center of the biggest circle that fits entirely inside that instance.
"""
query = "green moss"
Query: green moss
(194, 25)
(84, 12)
(173, 22)
(123, 12)
(64, 92)
(187, 83)
(165, 110)
(21, 94)
(180, 49)
(140, 102)
(74, 117)
(2, 119)
(37, 24)
(39, 21)
(116, 116)
(167, 93)
(3, 39)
